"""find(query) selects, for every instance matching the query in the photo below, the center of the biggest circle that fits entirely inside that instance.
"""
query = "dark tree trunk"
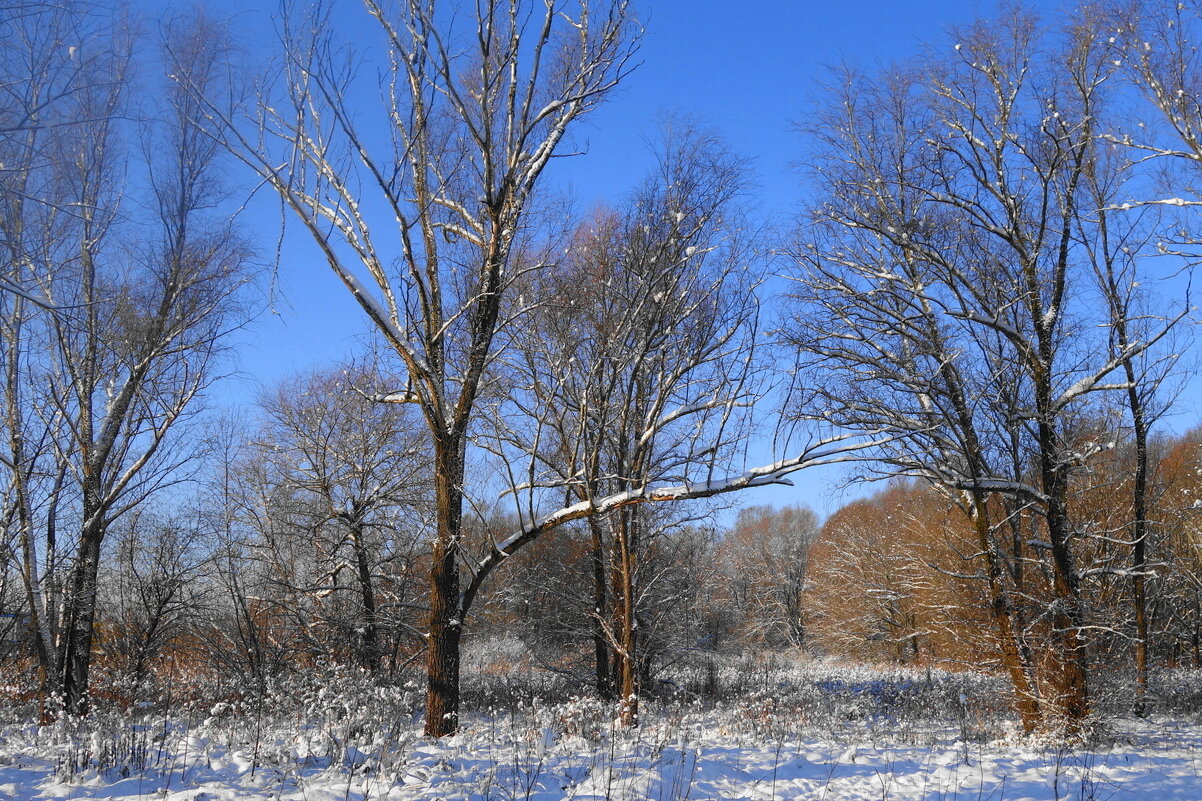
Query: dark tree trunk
(79, 621)
(626, 652)
(1068, 700)
(1001, 609)
(1139, 564)
(368, 635)
(602, 653)
(1139, 527)
(445, 627)
(1070, 683)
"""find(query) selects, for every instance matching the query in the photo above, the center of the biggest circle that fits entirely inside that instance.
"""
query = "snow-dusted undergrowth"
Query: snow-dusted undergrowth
(732, 731)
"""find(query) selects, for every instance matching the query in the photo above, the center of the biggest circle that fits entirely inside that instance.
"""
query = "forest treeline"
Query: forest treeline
(202, 605)
(985, 305)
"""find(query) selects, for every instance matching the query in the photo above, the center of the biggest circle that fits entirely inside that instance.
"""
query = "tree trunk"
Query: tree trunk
(79, 620)
(1139, 599)
(1139, 529)
(1070, 681)
(442, 660)
(445, 627)
(368, 650)
(601, 650)
(1026, 701)
(624, 619)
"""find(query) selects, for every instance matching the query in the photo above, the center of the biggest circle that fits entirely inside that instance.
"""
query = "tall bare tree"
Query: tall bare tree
(639, 368)
(46, 71)
(137, 301)
(951, 283)
(1158, 44)
(419, 203)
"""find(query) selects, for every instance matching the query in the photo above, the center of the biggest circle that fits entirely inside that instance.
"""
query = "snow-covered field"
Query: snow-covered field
(691, 758)
(812, 735)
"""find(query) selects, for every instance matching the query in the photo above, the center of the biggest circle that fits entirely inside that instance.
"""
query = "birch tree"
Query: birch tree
(41, 90)
(135, 304)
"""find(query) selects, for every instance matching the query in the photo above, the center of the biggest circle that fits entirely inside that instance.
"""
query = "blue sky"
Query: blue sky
(749, 70)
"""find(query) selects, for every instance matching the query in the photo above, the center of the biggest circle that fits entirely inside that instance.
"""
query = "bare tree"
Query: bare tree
(950, 291)
(1158, 45)
(242, 639)
(353, 468)
(140, 301)
(1120, 241)
(638, 368)
(152, 594)
(42, 90)
(422, 208)
(891, 577)
(473, 107)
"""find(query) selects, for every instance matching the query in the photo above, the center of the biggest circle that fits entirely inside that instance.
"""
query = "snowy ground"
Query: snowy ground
(844, 742)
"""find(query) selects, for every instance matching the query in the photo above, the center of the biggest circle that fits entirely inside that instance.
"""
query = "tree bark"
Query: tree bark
(602, 653)
(75, 658)
(1139, 531)
(1001, 610)
(368, 634)
(445, 625)
(626, 653)
(1070, 681)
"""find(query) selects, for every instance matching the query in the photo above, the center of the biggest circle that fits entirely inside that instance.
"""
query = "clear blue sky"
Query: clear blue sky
(749, 70)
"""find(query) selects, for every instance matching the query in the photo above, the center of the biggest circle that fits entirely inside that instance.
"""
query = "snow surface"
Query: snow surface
(714, 727)
(717, 753)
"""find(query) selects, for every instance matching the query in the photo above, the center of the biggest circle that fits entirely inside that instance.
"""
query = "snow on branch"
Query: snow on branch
(1168, 201)
(397, 396)
(16, 289)
(832, 450)
(1003, 487)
